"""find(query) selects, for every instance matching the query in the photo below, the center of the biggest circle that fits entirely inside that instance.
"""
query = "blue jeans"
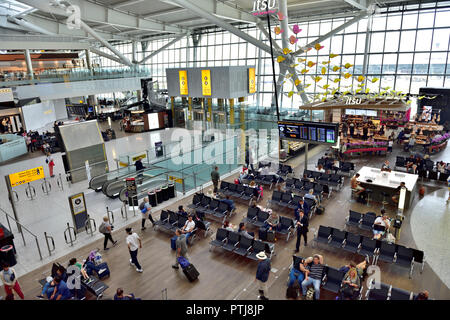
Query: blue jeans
(295, 275)
(188, 235)
(315, 282)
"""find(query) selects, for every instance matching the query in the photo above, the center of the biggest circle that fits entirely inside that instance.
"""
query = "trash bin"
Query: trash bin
(7, 255)
(152, 198)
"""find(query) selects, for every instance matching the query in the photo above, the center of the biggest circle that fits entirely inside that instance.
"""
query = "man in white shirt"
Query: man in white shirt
(134, 243)
(189, 226)
(381, 221)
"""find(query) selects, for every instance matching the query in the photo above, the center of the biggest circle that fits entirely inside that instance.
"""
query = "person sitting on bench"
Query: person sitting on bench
(383, 223)
(297, 274)
(73, 262)
(228, 201)
(61, 291)
(313, 275)
(352, 281)
(47, 289)
(228, 226)
(121, 296)
(189, 226)
(182, 212)
(273, 222)
(244, 233)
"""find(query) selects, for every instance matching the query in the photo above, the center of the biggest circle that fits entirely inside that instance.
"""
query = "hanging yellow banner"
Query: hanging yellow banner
(251, 80)
(183, 82)
(206, 82)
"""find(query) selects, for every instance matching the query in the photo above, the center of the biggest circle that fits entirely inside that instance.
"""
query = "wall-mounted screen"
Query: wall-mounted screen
(309, 132)
(153, 121)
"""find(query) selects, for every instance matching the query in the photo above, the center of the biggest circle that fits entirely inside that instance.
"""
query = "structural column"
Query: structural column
(89, 61)
(209, 112)
(189, 108)
(29, 63)
(172, 104)
(231, 111)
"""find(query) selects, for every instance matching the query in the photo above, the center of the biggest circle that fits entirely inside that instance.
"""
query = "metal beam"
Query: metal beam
(224, 25)
(332, 32)
(170, 43)
(30, 27)
(126, 3)
(264, 31)
(103, 54)
(20, 42)
(94, 34)
(164, 12)
(359, 4)
(29, 63)
(299, 86)
(96, 13)
(220, 9)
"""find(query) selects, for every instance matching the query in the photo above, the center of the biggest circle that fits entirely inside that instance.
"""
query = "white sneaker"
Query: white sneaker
(139, 270)
(131, 262)
(101, 270)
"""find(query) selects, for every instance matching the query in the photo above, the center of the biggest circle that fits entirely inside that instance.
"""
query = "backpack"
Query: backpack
(142, 206)
(102, 228)
(310, 294)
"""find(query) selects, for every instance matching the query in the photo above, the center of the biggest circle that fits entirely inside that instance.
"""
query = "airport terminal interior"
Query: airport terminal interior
(224, 150)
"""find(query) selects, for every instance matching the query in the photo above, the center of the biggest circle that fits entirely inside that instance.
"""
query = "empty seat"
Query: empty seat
(367, 221)
(245, 246)
(252, 213)
(286, 226)
(405, 258)
(432, 175)
(240, 189)
(231, 189)
(276, 197)
(352, 242)
(181, 221)
(333, 279)
(232, 241)
(248, 193)
(222, 210)
(257, 247)
(378, 294)
(286, 199)
(223, 186)
(221, 237)
(400, 294)
(443, 176)
(294, 203)
(325, 178)
(163, 219)
(323, 234)
(298, 185)
(386, 252)
(337, 238)
(289, 184)
(354, 218)
(368, 247)
(213, 205)
(196, 200)
(261, 218)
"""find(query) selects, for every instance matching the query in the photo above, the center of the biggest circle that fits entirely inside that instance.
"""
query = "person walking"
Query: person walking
(215, 177)
(51, 163)
(106, 228)
(262, 274)
(302, 230)
(134, 243)
(181, 248)
(10, 282)
(146, 209)
(28, 142)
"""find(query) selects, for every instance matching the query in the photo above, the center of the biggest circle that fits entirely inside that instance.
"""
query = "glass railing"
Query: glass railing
(75, 74)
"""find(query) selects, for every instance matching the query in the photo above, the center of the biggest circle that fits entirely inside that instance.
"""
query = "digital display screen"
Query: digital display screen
(321, 134)
(153, 121)
(307, 131)
(312, 134)
(331, 136)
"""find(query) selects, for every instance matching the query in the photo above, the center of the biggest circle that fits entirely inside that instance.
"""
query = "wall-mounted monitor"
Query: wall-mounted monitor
(309, 132)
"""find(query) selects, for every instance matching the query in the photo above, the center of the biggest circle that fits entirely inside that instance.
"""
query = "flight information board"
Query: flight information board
(309, 132)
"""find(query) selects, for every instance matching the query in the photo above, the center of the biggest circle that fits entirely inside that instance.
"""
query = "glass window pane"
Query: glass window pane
(407, 41)
(394, 21)
(409, 20)
(391, 42)
(437, 63)
(426, 19)
(442, 18)
(421, 63)
(423, 42)
(377, 42)
(440, 39)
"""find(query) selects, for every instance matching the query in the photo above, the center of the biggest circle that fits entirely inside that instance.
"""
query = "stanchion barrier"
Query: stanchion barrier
(46, 187)
(88, 226)
(68, 235)
(47, 239)
(15, 196)
(110, 215)
(30, 191)
(59, 182)
(124, 210)
(135, 200)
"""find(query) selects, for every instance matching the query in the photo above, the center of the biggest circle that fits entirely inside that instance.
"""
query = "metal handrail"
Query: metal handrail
(47, 237)
(124, 211)
(88, 226)
(15, 197)
(30, 192)
(110, 215)
(68, 229)
(59, 182)
(46, 187)
(22, 227)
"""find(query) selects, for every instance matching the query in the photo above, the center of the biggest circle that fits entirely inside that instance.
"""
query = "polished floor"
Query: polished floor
(228, 276)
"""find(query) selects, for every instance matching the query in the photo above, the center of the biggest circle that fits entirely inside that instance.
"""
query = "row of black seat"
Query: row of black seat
(239, 191)
(233, 242)
(344, 167)
(302, 186)
(387, 292)
(362, 221)
(376, 249)
(257, 218)
(426, 171)
(333, 180)
(286, 200)
(205, 206)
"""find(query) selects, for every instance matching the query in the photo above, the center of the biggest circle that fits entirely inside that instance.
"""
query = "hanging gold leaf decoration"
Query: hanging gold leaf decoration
(336, 68)
(348, 65)
(280, 59)
(311, 64)
(324, 70)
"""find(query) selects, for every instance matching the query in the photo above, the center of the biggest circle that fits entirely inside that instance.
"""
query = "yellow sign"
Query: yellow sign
(26, 176)
(251, 80)
(175, 179)
(183, 83)
(139, 157)
(206, 82)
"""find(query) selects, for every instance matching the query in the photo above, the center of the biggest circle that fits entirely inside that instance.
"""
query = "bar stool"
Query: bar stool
(368, 191)
(353, 193)
(384, 202)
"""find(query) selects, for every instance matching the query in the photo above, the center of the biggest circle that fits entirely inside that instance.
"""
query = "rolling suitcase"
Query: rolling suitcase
(103, 270)
(262, 234)
(320, 210)
(191, 272)
(270, 236)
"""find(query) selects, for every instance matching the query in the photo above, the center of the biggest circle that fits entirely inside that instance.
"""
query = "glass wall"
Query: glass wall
(408, 48)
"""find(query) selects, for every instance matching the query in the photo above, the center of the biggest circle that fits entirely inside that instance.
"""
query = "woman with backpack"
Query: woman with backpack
(106, 229)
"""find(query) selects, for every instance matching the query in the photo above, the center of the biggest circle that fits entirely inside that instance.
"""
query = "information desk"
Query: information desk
(387, 182)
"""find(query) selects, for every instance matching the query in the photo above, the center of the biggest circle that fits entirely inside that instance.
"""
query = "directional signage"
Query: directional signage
(23, 177)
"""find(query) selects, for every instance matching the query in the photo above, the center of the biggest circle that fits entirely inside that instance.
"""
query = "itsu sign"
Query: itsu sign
(264, 7)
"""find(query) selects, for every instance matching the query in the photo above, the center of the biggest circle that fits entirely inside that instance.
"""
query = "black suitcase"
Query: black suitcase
(191, 272)
(320, 210)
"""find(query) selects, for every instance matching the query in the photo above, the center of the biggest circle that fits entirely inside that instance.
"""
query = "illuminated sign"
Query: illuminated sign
(183, 82)
(251, 80)
(175, 179)
(26, 176)
(206, 82)
(264, 7)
